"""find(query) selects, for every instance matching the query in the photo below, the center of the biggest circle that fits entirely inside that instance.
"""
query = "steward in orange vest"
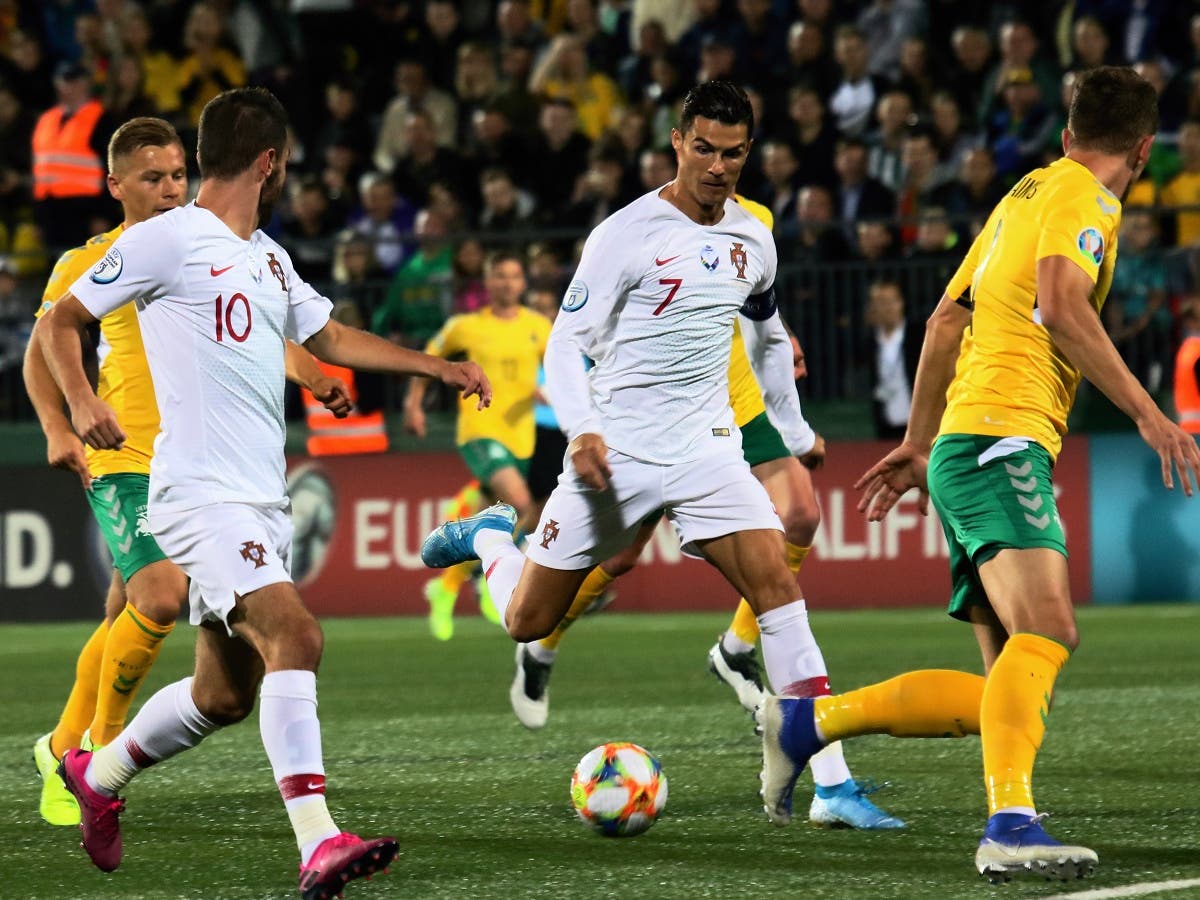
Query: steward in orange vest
(1187, 373)
(357, 433)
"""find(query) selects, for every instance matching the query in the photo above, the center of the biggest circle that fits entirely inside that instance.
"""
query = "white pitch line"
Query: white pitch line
(1130, 890)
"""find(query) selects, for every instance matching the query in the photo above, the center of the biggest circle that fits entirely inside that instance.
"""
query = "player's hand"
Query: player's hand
(64, 450)
(799, 367)
(467, 378)
(96, 424)
(814, 458)
(1176, 450)
(334, 394)
(891, 478)
(589, 455)
(414, 420)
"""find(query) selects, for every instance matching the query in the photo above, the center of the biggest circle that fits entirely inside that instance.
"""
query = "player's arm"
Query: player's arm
(414, 398)
(301, 368)
(770, 351)
(64, 450)
(345, 346)
(1064, 291)
(61, 333)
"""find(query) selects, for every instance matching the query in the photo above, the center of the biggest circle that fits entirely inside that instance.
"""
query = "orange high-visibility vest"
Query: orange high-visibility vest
(1187, 391)
(357, 433)
(64, 163)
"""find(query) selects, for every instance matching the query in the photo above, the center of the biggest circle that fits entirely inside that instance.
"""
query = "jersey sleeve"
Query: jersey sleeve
(308, 308)
(961, 279)
(61, 276)
(140, 265)
(448, 341)
(1078, 227)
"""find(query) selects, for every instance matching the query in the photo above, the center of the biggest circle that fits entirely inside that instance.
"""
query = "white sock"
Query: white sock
(168, 723)
(291, 734)
(502, 565)
(796, 668)
(734, 644)
(542, 654)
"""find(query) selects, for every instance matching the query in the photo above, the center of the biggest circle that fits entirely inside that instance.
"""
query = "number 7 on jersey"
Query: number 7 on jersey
(674, 283)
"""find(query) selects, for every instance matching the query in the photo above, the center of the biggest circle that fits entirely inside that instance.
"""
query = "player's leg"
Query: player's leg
(507, 484)
(441, 591)
(57, 805)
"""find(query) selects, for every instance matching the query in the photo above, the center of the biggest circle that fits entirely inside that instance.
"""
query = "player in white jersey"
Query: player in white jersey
(215, 298)
(653, 303)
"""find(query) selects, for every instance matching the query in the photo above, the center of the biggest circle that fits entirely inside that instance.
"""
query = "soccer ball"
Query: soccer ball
(618, 789)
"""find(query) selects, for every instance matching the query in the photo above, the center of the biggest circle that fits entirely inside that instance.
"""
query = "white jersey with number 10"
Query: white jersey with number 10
(214, 311)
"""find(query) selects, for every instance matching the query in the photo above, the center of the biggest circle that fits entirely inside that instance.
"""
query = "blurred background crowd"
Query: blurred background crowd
(427, 133)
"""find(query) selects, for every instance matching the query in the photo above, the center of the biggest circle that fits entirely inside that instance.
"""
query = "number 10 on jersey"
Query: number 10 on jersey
(224, 317)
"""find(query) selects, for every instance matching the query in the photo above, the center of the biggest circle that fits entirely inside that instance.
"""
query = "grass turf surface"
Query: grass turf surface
(420, 742)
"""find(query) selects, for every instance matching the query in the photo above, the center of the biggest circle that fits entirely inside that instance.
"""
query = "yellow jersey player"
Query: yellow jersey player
(1003, 354)
(781, 463)
(147, 175)
(508, 340)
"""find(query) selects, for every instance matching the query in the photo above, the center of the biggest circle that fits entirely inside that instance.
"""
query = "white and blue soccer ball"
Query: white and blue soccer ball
(618, 789)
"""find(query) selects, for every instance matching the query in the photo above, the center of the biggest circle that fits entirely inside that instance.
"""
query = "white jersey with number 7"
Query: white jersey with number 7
(214, 310)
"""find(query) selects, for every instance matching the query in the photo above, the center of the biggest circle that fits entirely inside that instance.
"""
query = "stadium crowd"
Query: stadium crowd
(427, 133)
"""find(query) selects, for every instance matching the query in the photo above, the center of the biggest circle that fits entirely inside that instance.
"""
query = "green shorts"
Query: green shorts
(485, 457)
(761, 442)
(991, 494)
(119, 505)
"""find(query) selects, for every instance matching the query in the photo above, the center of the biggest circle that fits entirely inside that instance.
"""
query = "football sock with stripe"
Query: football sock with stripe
(291, 734)
(742, 633)
(1016, 701)
(502, 565)
(590, 591)
(796, 668)
(925, 703)
(168, 723)
(130, 650)
(81, 704)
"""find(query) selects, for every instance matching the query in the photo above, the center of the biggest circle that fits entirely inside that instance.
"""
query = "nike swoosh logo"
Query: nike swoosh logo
(663, 262)
(214, 271)
(315, 787)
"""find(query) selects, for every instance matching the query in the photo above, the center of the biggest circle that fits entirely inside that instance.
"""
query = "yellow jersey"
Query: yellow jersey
(510, 352)
(1184, 190)
(745, 396)
(1011, 380)
(124, 379)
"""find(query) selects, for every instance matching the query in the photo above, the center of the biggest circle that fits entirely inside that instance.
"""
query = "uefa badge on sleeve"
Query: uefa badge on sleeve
(1091, 244)
(108, 269)
(575, 297)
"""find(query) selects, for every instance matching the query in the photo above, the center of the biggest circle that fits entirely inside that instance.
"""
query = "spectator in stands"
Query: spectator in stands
(1018, 51)
(444, 37)
(921, 181)
(513, 96)
(345, 123)
(656, 167)
(761, 41)
(466, 281)
(1089, 43)
(599, 191)
(309, 229)
(885, 25)
(809, 63)
(975, 192)
(664, 95)
(506, 208)
(894, 115)
(601, 48)
(1187, 369)
(1184, 189)
(385, 218)
(1172, 95)
(516, 27)
(356, 272)
(414, 93)
(160, 76)
(475, 83)
(711, 18)
(544, 266)
(95, 53)
(817, 237)
(875, 241)
(1020, 130)
(124, 94)
(633, 72)
(968, 73)
(857, 195)
(444, 201)
(418, 299)
(341, 171)
(17, 305)
(936, 255)
(425, 161)
(1136, 312)
(209, 66)
(854, 98)
(779, 194)
(718, 61)
(26, 69)
(893, 348)
(812, 136)
(915, 75)
(558, 159)
(495, 143)
(565, 73)
(70, 143)
(16, 160)
(951, 139)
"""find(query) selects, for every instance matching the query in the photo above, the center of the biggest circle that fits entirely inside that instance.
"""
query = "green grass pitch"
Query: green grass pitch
(420, 743)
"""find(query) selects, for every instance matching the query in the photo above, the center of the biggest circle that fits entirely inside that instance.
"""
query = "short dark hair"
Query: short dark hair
(235, 127)
(144, 131)
(496, 257)
(1112, 109)
(721, 101)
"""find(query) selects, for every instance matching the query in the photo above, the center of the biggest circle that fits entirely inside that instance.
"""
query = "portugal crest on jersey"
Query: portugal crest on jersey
(738, 259)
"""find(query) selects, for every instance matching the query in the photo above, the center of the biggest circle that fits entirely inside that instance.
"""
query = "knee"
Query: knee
(774, 589)
(159, 596)
(1070, 637)
(801, 523)
(305, 644)
(524, 625)
(224, 706)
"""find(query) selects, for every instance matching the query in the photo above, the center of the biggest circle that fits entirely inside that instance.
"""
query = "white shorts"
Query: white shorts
(704, 499)
(227, 550)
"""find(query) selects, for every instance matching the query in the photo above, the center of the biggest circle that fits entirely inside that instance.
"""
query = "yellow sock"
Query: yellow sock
(1016, 701)
(590, 591)
(81, 704)
(467, 502)
(131, 649)
(925, 703)
(456, 576)
(745, 623)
